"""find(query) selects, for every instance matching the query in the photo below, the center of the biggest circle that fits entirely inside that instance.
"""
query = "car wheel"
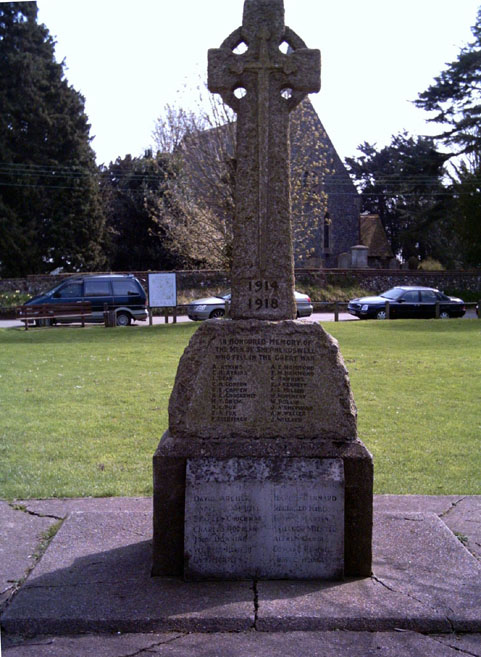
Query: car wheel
(217, 313)
(123, 319)
(43, 322)
(381, 314)
(443, 315)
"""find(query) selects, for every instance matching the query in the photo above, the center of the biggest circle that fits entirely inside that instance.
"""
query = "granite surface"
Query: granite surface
(255, 379)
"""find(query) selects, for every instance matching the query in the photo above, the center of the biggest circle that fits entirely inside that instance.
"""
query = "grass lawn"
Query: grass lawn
(82, 410)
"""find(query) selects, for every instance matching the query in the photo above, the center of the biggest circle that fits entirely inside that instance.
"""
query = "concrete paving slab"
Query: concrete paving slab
(417, 555)
(356, 605)
(461, 513)
(438, 504)
(469, 644)
(97, 548)
(424, 580)
(95, 576)
(245, 644)
(20, 538)
(465, 519)
(60, 507)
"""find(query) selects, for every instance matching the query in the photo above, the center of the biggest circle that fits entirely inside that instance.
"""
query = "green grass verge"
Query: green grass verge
(333, 293)
(417, 387)
(82, 410)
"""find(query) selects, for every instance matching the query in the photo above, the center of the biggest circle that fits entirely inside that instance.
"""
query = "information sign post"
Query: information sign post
(162, 292)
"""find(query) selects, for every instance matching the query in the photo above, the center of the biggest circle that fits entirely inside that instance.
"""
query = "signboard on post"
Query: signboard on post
(162, 290)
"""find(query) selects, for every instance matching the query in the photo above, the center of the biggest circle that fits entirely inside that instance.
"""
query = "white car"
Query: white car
(214, 307)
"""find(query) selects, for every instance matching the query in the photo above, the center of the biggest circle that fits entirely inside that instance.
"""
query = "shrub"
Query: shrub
(430, 264)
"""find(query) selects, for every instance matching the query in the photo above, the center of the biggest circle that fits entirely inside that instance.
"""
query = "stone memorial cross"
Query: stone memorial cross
(261, 473)
(262, 85)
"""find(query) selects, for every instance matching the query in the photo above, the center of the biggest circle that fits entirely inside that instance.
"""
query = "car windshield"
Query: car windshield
(52, 290)
(224, 297)
(392, 294)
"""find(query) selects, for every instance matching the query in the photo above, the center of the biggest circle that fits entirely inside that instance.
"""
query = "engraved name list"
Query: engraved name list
(242, 366)
(284, 516)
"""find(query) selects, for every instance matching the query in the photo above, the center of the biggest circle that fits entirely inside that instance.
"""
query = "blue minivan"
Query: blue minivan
(122, 293)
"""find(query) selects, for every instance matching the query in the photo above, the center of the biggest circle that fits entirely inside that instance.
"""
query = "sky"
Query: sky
(131, 58)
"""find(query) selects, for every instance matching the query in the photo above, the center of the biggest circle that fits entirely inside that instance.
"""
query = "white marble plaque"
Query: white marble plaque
(271, 518)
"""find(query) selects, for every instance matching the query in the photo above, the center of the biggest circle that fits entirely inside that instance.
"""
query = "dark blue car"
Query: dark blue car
(122, 293)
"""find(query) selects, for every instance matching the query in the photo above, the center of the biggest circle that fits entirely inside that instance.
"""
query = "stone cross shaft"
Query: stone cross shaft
(262, 85)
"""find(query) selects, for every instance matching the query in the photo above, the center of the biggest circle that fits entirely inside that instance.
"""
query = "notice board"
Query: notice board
(162, 290)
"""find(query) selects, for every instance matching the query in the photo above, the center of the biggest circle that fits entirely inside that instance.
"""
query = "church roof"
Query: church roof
(374, 236)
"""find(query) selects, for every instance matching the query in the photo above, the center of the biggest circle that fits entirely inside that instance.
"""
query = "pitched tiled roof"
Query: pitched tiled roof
(374, 236)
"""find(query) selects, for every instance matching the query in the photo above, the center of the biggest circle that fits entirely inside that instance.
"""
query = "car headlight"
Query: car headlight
(199, 309)
(364, 307)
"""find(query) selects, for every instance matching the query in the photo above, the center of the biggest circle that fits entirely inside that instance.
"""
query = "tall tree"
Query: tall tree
(403, 183)
(455, 98)
(132, 189)
(50, 210)
(466, 190)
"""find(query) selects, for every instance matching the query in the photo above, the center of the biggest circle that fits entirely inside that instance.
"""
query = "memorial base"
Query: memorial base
(170, 467)
(264, 518)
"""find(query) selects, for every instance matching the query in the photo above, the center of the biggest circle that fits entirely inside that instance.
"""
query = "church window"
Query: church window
(327, 231)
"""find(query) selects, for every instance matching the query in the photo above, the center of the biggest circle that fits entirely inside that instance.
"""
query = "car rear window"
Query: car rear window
(97, 289)
(125, 288)
(412, 296)
(428, 296)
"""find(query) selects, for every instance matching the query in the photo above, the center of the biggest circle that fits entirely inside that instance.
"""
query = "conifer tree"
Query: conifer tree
(454, 97)
(132, 190)
(50, 210)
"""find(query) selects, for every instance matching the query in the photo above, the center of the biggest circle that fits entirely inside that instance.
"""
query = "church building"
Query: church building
(331, 210)
(326, 221)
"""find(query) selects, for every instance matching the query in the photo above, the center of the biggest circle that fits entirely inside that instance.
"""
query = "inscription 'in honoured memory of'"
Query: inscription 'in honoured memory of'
(278, 518)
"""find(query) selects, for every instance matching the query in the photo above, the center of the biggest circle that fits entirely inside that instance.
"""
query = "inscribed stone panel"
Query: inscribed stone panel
(267, 517)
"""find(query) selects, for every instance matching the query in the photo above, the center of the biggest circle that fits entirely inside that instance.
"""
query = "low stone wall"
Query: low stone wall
(36, 284)
(377, 280)
(373, 280)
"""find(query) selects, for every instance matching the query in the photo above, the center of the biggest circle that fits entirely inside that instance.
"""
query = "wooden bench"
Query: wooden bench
(44, 313)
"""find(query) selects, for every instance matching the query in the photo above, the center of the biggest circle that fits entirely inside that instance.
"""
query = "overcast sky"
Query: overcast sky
(129, 58)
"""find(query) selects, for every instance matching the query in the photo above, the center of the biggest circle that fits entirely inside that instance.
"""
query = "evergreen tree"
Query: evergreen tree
(466, 189)
(402, 183)
(50, 210)
(133, 190)
(455, 97)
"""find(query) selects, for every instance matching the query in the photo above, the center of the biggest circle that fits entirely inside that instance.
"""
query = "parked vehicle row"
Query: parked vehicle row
(124, 294)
